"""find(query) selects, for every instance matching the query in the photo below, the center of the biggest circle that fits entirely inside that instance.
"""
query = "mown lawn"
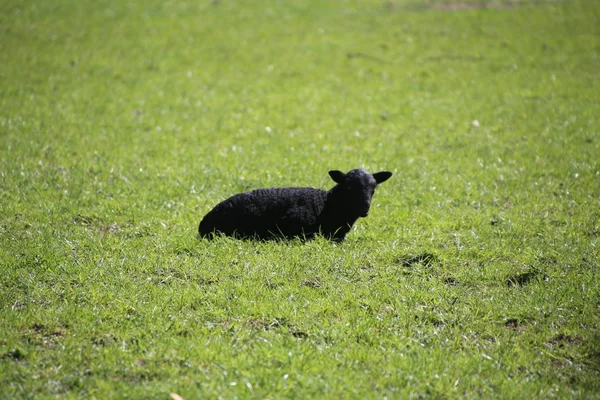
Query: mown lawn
(475, 275)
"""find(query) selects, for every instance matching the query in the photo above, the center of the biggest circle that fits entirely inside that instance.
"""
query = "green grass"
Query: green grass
(475, 276)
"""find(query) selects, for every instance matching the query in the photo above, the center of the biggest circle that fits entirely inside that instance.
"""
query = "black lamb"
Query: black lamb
(286, 213)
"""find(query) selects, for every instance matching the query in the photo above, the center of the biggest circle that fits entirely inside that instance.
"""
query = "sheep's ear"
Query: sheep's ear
(382, 176)
(337, 176)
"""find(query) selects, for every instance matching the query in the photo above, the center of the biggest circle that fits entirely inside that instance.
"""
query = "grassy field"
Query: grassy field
(475, 276)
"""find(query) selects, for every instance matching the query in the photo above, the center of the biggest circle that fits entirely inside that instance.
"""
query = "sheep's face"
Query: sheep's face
(357, 188)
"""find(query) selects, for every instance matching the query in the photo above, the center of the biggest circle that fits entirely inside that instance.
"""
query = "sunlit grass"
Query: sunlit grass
(475, 274)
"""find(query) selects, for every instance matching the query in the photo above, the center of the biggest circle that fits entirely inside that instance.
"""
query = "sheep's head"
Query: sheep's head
(357, 188)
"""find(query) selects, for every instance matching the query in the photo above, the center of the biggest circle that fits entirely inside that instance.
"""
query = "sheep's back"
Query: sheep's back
(265, 212)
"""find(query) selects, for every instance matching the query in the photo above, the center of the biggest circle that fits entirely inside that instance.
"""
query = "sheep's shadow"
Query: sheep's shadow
(271, 238)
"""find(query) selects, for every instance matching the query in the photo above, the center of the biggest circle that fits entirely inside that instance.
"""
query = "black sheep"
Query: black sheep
(286, 213)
